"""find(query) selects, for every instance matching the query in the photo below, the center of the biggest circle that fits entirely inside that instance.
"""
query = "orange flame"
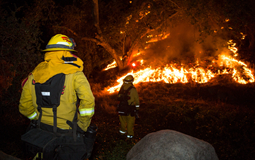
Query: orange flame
(171, 73)
(157, 37)
(109, 66)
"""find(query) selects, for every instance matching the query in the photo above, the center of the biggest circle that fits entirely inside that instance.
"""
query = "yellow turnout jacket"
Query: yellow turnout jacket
(75, 84)
(134, 98)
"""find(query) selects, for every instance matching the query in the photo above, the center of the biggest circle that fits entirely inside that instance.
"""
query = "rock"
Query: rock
(169, 144)
(4, 156)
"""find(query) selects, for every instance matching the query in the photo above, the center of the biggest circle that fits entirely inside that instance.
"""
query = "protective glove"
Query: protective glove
(136, 114)
(80, 130)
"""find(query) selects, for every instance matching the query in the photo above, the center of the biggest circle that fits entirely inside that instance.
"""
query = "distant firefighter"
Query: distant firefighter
(128, 106)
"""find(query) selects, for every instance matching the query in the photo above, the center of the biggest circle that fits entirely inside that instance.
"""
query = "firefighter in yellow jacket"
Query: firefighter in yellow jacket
(59, 59)
(128, 106)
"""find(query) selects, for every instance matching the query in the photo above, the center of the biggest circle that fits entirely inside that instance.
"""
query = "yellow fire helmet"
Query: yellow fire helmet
(60, 42)
(129, 79)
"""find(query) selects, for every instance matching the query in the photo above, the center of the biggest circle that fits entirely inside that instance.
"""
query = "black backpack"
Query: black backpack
(70, 145)
(123, 107)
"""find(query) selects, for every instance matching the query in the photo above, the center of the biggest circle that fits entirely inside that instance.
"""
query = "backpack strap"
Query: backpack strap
(54, 109)
(129, 88)
(75, 119)
(122, 91)
(73, 124)
(39, 108)
(48, 96)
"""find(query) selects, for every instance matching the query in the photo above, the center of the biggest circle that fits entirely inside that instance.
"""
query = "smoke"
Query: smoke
(183, 45)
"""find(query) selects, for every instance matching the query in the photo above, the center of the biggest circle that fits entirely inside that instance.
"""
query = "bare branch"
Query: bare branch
(159, 26)
(148, 31)
(16, 10)
(68, 29)
(92, 39)
(96, 14)
(175, 4)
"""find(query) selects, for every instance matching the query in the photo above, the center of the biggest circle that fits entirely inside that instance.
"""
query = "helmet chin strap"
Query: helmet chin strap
(73, 42)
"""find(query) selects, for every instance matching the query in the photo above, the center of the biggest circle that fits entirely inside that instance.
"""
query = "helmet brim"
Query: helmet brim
(58, 49)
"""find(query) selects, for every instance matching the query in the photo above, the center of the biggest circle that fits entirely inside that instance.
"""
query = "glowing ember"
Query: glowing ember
(157, 37)
(112, 65)
(232, 48)
(243, 36)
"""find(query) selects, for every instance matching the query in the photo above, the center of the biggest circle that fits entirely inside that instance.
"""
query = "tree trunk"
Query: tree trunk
(128, 46)
(114, 54)
(100, 40)
(250, 32)
(96, 15)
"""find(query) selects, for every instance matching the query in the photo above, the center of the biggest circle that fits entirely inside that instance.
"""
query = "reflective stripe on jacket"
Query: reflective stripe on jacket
(74, 83)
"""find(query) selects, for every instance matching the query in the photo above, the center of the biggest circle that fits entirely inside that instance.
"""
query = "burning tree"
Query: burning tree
(122, 28)
(150, 21)
(132, 24)
(134, 20)
(125, 29)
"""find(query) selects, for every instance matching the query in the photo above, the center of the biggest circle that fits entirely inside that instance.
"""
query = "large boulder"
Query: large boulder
(169, 144)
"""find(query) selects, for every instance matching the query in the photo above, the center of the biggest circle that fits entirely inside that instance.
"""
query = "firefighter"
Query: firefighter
(59, 59)
(128, 106)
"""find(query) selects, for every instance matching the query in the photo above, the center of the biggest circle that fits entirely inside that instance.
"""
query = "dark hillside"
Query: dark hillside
(220, 112)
